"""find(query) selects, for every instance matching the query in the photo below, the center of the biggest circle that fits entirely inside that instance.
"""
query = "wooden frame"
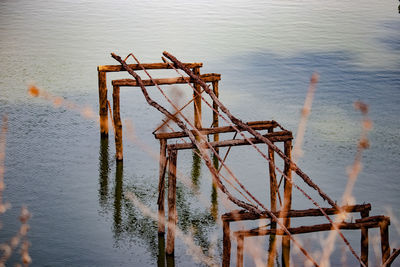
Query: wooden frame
(362, 224)
(102, 81)
(169, 153)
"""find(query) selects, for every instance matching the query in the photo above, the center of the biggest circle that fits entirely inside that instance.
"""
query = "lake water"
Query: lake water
(266, 51)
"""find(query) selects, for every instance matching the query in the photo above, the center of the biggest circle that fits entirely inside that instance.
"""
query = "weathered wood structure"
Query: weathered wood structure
(196, 137)
(102, 71)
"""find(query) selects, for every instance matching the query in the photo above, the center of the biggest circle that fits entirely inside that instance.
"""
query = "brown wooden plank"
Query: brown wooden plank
(223, 129)
(243, 215)
(274, 137)
(149, 66)
(209, 77)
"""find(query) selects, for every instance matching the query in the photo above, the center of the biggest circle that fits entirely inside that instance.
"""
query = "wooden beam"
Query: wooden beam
(209, 77)
(274, 137)
(149, 66)
(257, 125)
(244, 215)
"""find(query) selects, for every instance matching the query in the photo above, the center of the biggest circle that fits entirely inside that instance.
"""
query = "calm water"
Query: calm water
(57, 165)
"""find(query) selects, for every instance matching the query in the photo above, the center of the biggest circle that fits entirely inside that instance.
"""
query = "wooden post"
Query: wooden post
(239, 253)
(273, 192)
(287, 203)
(117, 124)
(385, 247)
(226, 243)
(215, 113)
(197, 101)
(364, 240)
(103, 111)
(161, 186)
(171, 201)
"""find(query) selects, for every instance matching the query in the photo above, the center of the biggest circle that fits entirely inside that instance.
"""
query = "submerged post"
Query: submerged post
(215, 122)
(287, 203)
(273, 192)
(226, 243)
(117, 124)
(240, 248)
(103, 112)
(161, 186)
(171, 201)
(197, 101)
(364, 240)
(385, 247)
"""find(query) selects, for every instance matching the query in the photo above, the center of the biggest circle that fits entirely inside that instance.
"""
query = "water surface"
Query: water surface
(266, 51)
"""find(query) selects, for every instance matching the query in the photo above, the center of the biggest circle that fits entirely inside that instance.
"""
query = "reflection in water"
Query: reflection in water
(103, 172)
(129, 224)
(161, 251)
(118, 198)
(196, 169)
(214, 192)
(162, 257)
(214, 202)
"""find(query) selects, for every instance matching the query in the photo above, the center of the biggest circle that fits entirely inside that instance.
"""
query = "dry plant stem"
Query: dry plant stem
(206, 158)
(294, 167)
(242, 125)
(353, 174)
(297, 151)
(3, 134)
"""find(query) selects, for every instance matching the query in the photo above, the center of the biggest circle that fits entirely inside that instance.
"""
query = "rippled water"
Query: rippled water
(57, 165)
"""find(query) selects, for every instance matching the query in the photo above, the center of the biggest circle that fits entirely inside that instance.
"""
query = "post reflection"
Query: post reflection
(163, 259)
(118, 193)
(196, 170)
(103, 172)
(161, 251)
(214, 193)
